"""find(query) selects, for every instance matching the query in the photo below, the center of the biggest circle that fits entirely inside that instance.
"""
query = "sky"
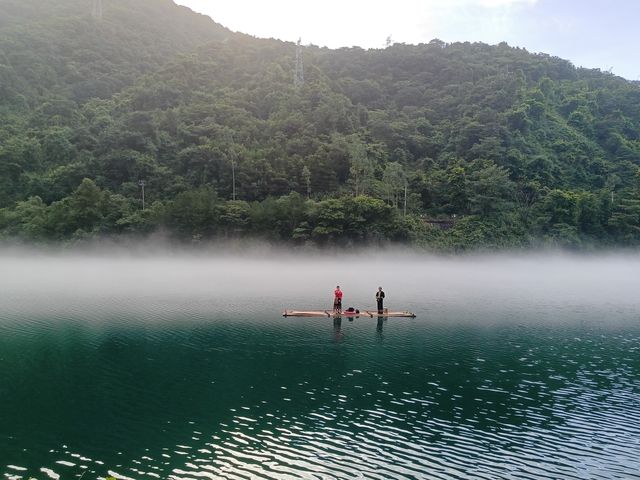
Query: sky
(601, 34)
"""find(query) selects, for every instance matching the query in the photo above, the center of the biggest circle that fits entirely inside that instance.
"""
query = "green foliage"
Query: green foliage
(194, 213)
(512, 148)
(361, 170)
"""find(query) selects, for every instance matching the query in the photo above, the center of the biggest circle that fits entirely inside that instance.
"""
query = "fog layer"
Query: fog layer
(37, 283)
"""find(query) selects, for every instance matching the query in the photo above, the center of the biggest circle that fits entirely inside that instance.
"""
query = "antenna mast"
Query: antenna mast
(97, 9)
(298, 79)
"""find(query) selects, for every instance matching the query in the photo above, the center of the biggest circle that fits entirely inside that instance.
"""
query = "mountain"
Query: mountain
(64, 48)
(447, 145)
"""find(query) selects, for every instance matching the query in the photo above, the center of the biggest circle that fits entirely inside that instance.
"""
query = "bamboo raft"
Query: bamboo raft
(330, 313)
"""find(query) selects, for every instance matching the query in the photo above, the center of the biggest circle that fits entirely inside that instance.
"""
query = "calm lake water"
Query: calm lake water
(182, 367)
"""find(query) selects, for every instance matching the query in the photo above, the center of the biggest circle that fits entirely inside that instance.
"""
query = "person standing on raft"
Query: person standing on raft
(380, 300)
(337, 300)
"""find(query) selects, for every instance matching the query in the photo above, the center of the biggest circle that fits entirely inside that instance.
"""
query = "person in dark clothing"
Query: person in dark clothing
(380, 299)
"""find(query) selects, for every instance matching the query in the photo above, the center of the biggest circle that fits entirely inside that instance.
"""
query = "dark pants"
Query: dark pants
(337, 305)
(380, 301)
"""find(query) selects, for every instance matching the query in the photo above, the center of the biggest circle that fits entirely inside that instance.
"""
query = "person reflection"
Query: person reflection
(379, 326)
(338, 335)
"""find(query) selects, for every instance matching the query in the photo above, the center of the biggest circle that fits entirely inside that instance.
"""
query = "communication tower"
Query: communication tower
(97, 9)
(298, 79)
(142, 183)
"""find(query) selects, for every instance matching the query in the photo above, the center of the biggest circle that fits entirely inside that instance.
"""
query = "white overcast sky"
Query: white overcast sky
(591, 33)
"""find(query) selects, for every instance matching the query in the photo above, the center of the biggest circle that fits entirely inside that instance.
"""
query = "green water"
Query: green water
(181, 387)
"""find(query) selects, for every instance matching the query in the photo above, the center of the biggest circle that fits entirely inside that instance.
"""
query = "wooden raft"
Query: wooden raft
(330, 313)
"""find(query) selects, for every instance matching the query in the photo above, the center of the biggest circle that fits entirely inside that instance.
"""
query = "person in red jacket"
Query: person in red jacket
(337, 300)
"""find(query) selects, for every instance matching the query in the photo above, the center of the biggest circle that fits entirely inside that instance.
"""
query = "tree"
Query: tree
(235, 217)
(306, 177)
(361, 170)
(86, 206)
(30, 219)
(367, 218)
(490, 189)
(395, 182)
(194, 213)
(328, 219)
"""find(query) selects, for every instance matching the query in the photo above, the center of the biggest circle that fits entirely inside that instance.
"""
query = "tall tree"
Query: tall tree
(361, 171)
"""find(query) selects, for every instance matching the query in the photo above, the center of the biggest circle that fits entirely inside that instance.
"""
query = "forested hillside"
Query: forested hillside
(446, 145)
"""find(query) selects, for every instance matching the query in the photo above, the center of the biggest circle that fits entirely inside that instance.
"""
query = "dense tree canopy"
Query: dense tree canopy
(449, 145)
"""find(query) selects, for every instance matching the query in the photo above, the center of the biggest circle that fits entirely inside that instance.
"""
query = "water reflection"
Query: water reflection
(229, 399)
(338, 334)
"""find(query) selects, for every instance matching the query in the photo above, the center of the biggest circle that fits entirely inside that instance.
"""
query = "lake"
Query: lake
(180, 366)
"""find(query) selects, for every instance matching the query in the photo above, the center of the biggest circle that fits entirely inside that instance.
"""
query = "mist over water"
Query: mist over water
(204, 282)
(157, 364)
